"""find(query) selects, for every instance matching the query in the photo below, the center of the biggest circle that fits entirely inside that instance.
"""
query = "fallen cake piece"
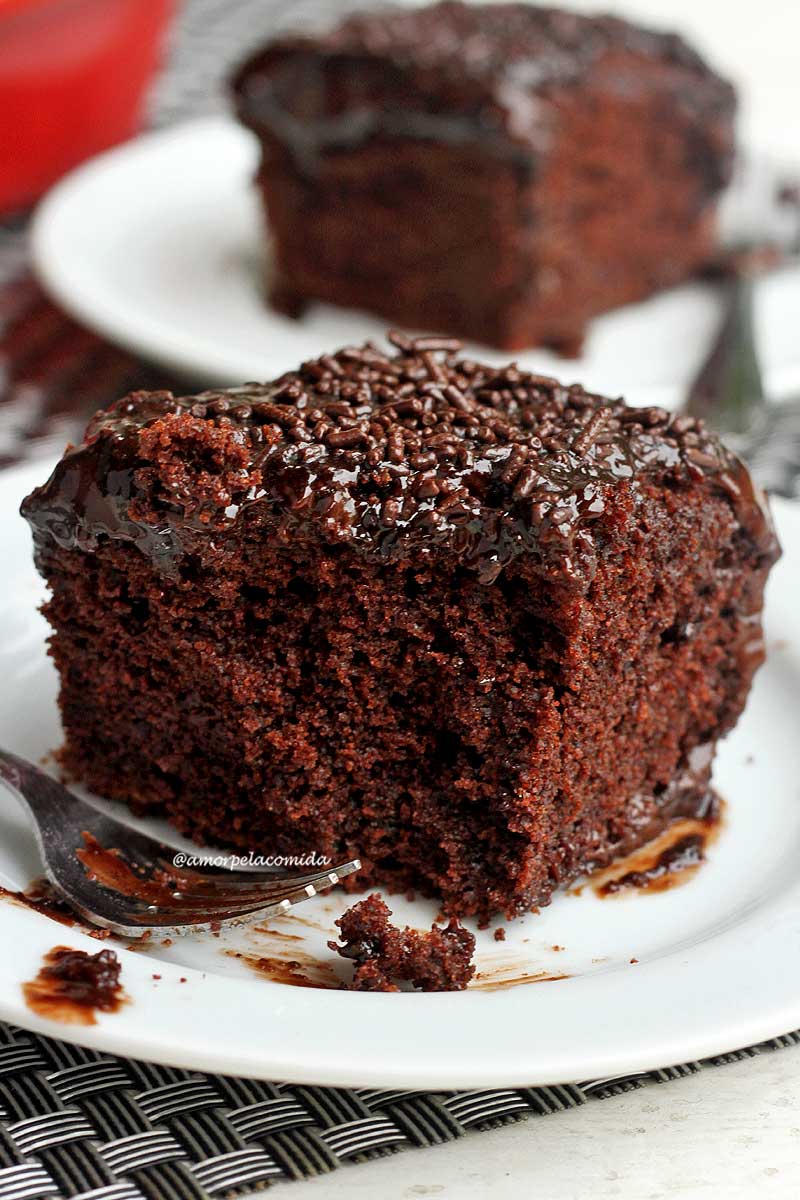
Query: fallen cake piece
(439, 961)
(499, 171)
(479, 629)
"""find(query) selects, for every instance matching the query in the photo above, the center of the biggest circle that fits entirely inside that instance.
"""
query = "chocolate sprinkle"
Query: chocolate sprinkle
(393, 455)
(476, 66)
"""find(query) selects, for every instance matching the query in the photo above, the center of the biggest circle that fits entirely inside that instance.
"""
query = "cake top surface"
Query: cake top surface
(487, 38)
(461, 51)
(398, 455)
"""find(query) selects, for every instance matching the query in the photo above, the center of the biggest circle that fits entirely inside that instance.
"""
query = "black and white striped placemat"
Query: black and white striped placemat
(89, 1126)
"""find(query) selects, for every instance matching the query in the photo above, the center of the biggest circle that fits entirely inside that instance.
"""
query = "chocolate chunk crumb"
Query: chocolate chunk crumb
(439, 961)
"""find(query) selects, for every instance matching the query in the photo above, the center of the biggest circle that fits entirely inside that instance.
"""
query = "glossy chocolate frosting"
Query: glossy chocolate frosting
(396, 455)
(454, 73)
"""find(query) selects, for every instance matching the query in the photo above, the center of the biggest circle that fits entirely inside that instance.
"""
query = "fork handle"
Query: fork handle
(728, 391)
(40, 796)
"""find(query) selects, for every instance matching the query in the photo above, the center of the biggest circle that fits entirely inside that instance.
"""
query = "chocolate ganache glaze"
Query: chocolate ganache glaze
(398, 456)
(452, 73)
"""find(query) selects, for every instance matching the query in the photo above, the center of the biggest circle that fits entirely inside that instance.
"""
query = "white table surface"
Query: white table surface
(731, 1132)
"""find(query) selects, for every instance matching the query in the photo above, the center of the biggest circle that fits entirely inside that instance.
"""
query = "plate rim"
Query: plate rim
(172, 1046)
(132, 332)
(342, 1038)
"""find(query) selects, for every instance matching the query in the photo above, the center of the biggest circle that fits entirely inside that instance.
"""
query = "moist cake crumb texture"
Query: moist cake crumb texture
(503, 172)
(477, 628)
(383, 955)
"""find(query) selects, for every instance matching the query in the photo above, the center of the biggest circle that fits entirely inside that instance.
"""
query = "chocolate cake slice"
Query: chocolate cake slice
(503, 172)
(477, 628)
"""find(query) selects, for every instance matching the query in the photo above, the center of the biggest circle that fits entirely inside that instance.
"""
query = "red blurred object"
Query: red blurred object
(73, 78)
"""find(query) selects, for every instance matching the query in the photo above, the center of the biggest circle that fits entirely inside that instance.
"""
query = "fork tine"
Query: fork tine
(297, 895)
(209, 917)
(227, 891)
(140, 917)
(62, 821)
(244, 900)
(137, 920)
(202, 889)
(306, 893)
(210, 882)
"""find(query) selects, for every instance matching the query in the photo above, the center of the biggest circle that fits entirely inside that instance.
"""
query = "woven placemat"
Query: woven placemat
(79, 1124)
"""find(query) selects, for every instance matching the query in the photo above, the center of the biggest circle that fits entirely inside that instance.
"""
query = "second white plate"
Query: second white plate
(158, 246)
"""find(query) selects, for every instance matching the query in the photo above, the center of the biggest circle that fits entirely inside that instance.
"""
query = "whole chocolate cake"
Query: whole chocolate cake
(478, 628)
(500, 171)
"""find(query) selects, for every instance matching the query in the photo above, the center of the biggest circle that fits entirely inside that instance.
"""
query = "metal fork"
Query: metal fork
(728, 390)
(729, 394)
(98, 864)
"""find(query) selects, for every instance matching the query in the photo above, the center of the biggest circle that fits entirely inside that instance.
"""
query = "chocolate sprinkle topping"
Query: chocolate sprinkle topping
(455, 73)
(396, 455)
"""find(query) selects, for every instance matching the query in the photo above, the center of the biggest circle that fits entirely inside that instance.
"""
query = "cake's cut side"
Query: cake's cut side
(503, 172)
(384, 955)
(478, 629)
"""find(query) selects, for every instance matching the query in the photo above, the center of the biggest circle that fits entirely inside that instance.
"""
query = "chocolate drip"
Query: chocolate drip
(451, 73)
(397, 456)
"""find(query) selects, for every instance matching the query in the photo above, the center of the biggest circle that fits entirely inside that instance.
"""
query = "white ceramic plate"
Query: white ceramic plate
(718, 958)
(158, 246)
